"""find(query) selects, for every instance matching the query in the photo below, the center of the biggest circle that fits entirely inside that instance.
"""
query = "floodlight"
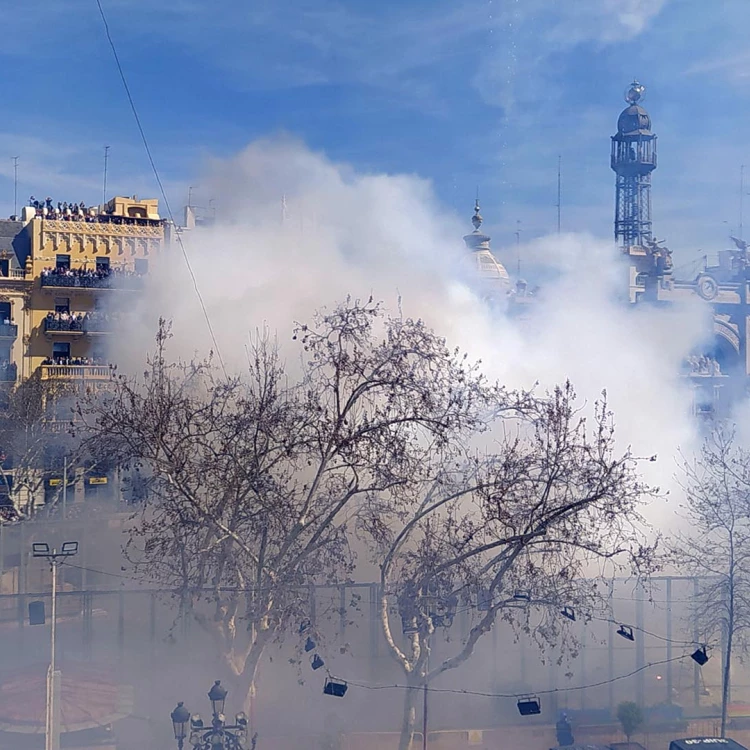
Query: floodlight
(336, 688)
(40, 549)
(69, 549)
(529, 706)
(626, 632)
(699, 656)
(317, 662)
(522, 595)
(569, 613)
(309, 644)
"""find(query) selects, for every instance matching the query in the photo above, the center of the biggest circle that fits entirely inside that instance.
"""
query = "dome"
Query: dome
(489, 268)
(484, 264)
(634, 120)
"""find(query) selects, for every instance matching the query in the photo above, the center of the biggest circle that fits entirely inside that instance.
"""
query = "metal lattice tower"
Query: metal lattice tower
(633, 159)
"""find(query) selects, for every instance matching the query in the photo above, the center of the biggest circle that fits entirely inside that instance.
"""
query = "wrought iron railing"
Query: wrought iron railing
(113, 281)
(53, 324)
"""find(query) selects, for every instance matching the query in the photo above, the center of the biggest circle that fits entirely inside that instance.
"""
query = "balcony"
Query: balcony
(15, 274)
(8, 373)
(80, 279)
(96, 323)
(70, 326)
(77, 372)
(8, 331)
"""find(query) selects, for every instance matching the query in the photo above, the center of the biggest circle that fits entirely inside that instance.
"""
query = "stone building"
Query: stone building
(66, 272)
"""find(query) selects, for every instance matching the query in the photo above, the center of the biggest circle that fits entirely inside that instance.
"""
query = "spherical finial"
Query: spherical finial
(635, 93)
(476, 220)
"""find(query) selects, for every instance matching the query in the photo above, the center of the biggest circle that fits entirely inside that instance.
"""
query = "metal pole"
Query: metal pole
(696, 668)
(65, 488)
(669, 640)
(106, 163)
(559, 193)
(742, 198)
(52, 733)
(518, 246)
(424, 703)
(15, 186)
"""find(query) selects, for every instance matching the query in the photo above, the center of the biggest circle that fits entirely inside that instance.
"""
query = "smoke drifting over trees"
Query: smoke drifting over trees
(345, 232)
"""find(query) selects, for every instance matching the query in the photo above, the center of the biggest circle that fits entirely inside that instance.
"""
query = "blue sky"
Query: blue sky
(465, 93)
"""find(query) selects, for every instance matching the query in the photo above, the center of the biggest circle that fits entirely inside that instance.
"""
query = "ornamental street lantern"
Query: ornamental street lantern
(180, 718)
(219, 735)
(217, 695)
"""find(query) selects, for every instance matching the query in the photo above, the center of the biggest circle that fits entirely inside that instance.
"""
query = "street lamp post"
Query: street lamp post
(54, 678)
(219, 735)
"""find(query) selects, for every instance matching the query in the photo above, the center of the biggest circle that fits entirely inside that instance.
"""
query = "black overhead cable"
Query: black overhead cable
(158, 181)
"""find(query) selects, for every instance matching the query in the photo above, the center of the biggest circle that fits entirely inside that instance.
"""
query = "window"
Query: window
(60, 352)
(62, 305)
(62, 261)
(5, 314)
(102, 264)
(141, 266)
(4, 267)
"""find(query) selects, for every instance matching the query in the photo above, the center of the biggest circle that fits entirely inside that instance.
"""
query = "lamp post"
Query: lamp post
(219, 734)
(54, 678)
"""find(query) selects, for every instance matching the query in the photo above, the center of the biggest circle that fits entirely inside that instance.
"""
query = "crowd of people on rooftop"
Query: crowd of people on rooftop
(64, 211)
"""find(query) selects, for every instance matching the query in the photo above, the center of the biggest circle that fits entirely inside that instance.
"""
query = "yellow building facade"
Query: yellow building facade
(64, 275)
(66, 272)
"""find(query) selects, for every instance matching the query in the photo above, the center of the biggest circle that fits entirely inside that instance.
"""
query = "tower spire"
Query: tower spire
(633, 159)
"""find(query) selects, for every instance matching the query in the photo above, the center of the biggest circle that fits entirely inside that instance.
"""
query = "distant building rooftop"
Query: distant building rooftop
(119, 210)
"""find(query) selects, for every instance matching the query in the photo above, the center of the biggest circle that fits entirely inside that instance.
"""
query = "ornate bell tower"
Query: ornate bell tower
(633, 159)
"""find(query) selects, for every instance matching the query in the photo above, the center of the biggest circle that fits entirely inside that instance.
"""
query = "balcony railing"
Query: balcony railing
(8, 373)
(14, 273)
(8, 330)
(77, 372)
(113, 281)
(52, 325)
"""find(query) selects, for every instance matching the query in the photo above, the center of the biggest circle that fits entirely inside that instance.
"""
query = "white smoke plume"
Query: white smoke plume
(344, 232)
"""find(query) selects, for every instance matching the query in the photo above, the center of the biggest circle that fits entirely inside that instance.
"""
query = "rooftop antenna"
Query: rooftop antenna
(15, 186)
(106, 164)
(559, 193)
(190, 195)
(518, 246)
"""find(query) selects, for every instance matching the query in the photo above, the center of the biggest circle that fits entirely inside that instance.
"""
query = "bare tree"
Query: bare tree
(512, 534)
(717, 548)
(257, 481)
(34, 428)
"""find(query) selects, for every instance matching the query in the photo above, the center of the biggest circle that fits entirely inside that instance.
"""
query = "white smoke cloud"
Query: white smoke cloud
(361, 234)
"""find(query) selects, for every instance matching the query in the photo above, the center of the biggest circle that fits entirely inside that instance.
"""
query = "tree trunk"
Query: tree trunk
(407, 724)
(726, 679)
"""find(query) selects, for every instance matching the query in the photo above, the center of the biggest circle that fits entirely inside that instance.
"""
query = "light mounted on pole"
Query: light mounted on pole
(54, 678)
(180, 719)
(217, 695)
(219, 735)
